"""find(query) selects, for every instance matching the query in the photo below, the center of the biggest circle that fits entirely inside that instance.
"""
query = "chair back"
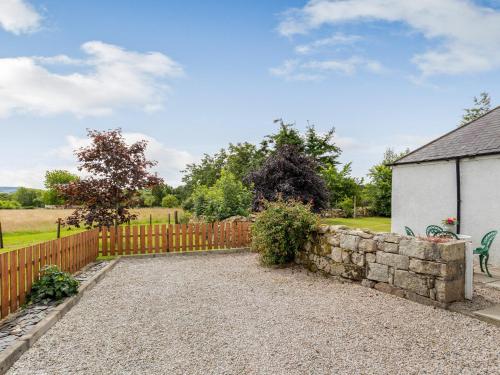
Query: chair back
(409, 232)
(488, 238)
(432, 230)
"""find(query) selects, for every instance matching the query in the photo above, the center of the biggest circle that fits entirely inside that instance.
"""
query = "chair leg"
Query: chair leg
(486, 265)
(481, 262)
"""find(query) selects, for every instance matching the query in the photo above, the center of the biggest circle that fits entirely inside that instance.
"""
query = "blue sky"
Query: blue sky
(192, 76)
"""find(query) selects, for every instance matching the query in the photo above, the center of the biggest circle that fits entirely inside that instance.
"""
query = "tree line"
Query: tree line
(285, 165)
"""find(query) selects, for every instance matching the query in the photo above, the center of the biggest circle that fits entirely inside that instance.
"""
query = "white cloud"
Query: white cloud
(334, 40)
(314, 70)
(468, 34)
(17, 16)
(170, 160)
(110, 77)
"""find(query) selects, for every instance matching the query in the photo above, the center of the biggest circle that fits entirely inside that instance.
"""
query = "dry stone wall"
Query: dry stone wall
(409, 267)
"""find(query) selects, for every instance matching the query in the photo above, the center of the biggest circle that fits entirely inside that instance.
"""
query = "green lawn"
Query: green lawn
(376, 224)
(16, 240)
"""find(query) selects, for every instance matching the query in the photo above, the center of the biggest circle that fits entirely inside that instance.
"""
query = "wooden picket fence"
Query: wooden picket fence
(163, 238)
(20, 268)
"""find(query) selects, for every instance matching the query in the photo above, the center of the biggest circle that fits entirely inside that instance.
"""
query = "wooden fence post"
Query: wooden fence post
(176, 217)
(59, 228)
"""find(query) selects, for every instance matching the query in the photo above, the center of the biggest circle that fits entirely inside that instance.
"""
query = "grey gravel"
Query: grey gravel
(225, 314)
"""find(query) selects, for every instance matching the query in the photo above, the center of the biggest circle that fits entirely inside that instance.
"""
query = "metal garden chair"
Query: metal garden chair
(409, 232)
(432, 230)
(484, 250)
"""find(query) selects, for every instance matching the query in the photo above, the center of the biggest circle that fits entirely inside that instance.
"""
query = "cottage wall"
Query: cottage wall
(424, 194)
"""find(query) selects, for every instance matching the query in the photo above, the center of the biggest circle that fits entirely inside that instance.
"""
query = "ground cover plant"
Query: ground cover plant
(281, 229)
(53, 285)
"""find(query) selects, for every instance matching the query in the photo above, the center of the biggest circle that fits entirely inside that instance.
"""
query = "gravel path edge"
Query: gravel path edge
(9, 356)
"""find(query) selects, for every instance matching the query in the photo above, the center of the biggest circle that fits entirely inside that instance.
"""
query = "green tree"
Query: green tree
(243, 158)
(206, 172)
(170, 201)
(53, 179)
(481, 106)
(341, 184)
(227, 197)
(29, 197)
(379, 190)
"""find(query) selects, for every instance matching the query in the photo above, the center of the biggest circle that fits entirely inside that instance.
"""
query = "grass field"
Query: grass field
(25, 227)
(376, 224)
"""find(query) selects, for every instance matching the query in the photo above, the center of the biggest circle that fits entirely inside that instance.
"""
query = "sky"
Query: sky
(192, 76)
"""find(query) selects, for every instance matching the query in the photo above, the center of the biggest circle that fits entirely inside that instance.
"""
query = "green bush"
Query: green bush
(281, 230)
(185, 217)
(9, 205)
(170, 201)
(228, 197)
(53, 285)
(347, 205)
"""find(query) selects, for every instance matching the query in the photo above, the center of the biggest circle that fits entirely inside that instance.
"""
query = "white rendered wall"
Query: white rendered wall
(422, 194)
(481, 200)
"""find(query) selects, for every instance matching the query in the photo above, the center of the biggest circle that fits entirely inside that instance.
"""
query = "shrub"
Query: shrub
(228, 197)
(53, 285)
(170, 201)
(185, 217)
(281, 229)
(9, 205)
(347, 205)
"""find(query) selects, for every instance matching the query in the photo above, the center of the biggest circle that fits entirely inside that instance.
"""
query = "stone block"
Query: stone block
(412, 282)
(323, 228)
(362, 234)
(353, 272)
(368, 283)
(378, 272)
(427, 267)
(346, 256)
(386, 288)
(324, 249)
(370, 257)
(337, 269)
(452, 251)
(337, 228)
(336, 254)
(389, 247)
(333, 240)
(308, 246)
(367, 245)
(419, 249)
(358, 259)
(349, 242)
(447, 271)
(450, 290)
(424, 300)
(392, 238)
(395, 260)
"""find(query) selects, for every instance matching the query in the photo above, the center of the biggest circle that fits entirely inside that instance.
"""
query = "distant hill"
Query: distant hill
(8, 189)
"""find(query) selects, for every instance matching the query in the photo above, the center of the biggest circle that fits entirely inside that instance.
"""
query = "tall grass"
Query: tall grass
(43, 220)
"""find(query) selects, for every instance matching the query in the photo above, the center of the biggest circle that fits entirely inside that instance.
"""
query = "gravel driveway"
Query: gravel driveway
(224, 314)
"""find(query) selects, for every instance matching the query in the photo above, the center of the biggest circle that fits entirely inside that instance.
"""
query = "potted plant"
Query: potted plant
(450, 224)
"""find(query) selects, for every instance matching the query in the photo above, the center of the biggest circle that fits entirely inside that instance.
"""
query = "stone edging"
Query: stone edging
(186, 253)
(11, 354)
